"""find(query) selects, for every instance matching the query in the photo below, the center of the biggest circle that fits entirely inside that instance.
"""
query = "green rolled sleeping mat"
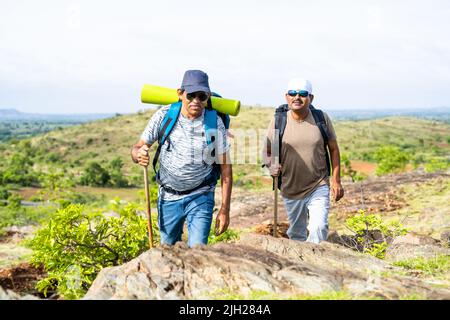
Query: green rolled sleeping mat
(163, 96)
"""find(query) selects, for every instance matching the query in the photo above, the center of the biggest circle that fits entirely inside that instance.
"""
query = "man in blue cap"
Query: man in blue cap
(187, 173)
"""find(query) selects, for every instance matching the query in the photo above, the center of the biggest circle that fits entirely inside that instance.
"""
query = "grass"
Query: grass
(427, 210)
(229, 294)
(437, 267)
(12, 254)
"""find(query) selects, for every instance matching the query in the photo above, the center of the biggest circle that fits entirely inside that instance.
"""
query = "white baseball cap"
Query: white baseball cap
(300, 84)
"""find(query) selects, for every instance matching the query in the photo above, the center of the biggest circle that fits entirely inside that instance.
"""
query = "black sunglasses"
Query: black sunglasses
(301, 93)
(202, 96)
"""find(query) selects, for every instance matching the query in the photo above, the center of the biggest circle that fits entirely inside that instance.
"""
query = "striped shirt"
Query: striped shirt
(183, 161)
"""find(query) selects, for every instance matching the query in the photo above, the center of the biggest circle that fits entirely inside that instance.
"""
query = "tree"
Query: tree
(117, 178)
(95, 175)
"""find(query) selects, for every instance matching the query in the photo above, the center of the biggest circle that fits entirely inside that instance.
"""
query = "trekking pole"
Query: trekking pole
(275, 204)
(149, 214)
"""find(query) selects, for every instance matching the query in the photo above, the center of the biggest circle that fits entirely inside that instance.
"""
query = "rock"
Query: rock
(414, 245)
(405, 251)
(445, 238)
(257, 262)
(11, 295)
(416, 239)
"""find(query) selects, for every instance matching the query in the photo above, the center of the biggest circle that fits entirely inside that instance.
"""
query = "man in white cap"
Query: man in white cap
(301, 137)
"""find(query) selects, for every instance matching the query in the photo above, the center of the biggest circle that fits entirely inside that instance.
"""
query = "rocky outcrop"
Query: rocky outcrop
(415, 245)
(11, 295)
(274, 265)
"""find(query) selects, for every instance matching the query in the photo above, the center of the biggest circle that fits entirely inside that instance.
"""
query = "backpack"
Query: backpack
(280, 124)
(210, 124)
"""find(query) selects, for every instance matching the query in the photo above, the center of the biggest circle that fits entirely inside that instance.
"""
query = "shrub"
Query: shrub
(4, 194)
(75, 245)
(227, 236)
(117, 178)
(390, 160)
(95, 175)
(347, 169)
(372, 234)
(437, 164)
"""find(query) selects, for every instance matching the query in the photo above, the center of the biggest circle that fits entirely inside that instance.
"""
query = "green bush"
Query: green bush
(390, 159)
(372, 234)
(228, 236)
(4, 194)
(437, 164)
(75, 245)
(95, 175)
(117, 179)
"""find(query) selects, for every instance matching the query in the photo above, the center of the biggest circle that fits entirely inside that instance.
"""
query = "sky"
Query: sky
(94, 56)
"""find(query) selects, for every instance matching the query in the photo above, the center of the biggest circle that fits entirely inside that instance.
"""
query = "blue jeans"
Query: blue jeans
(315, 207)
(196, 209)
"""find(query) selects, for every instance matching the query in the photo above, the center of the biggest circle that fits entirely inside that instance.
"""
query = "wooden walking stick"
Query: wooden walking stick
(275, 204)
(149, 214)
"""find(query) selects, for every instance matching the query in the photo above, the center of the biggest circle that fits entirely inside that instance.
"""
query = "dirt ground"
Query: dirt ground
(22, 279)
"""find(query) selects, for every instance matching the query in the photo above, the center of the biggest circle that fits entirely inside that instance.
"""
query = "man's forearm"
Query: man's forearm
(336, 164)
(226, 183)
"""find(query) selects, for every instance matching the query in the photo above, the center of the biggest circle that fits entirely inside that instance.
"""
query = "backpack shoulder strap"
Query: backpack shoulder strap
(319, 119)
(166, 127)
(210, 125)
(280, 125)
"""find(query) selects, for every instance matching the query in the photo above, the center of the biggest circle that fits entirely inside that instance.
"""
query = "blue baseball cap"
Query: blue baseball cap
(195, 80)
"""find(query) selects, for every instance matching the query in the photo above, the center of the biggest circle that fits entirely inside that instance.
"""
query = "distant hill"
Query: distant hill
(15, 115)
(105, 139)
(441, 113)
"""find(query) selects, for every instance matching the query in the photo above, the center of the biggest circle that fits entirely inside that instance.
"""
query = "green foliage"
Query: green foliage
(4, 193)
(53, 157)
(229, 294)
(372, 233)
(19, 170)
(16, 215)
(228, 236)
(437, 164)
(95, 175)
(391, 159)
(347, 169)
(110, 175)
(14, 202)
(117, 178)
(75, 245)
(436, 266)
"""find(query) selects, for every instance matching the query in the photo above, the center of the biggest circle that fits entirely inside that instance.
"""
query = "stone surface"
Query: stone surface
(405, 251)
(257, 262)
(416, 239)
(10, 295)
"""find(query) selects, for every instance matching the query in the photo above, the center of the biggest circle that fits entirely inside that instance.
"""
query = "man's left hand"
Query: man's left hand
(337, 191)
(222, 221)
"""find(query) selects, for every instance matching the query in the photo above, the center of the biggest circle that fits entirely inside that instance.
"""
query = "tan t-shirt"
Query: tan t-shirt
(303, 157)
